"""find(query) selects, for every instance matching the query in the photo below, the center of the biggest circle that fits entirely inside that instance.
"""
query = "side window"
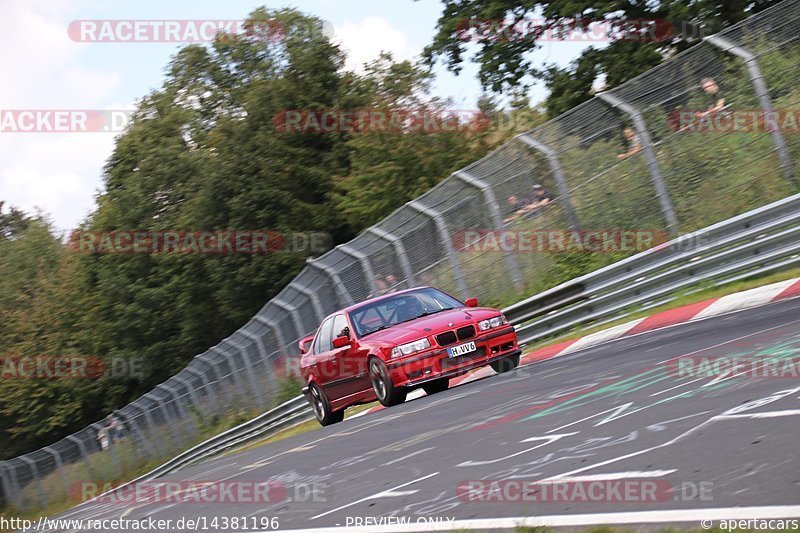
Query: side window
(322, 343)
(340, 328)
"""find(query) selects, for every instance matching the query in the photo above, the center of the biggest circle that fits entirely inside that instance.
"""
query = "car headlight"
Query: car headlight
(411, 347)
(495, 322)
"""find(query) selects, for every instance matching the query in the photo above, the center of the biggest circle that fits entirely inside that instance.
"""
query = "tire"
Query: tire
(385, 390)
(506, 364)
(322, 408)
(439, 385)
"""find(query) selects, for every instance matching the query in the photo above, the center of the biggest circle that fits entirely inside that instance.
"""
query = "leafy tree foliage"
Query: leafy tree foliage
(504, 55)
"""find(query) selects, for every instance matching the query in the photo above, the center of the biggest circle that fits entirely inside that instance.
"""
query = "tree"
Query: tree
(505, 32)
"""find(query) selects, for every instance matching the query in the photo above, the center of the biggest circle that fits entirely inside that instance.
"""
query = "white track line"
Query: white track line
(576, 520)
(374, 496)
(612, 476)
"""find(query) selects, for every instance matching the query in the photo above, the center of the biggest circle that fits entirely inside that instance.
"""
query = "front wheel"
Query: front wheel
(506, 364)
(322, 408)
(385, 390)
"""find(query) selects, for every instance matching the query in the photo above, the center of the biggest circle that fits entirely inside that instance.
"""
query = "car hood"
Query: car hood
(431, 325)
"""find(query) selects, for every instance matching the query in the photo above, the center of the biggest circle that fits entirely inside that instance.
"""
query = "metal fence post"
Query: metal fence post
(762, 93)
(261, 346)
(223, 351)
(192, 393)
(207, 383)
(664, 200)
(176, 401)
(558, 175)
(35, 472)
(165, 412)
(319, 311)
(131, 422)
(194, 402)
(366, 267)
(338, 286)
(11, 490)
(250, 374)
(297, 320)
(444, 236)
(149, 418)
(82, 449)
(399, 249)
(275, 329)
(497, 220)
(59, 466)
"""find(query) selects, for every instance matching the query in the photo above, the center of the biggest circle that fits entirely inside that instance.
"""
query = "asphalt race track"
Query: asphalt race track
(615, 411)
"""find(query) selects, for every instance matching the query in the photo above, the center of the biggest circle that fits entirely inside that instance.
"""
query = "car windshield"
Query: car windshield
(402, 307)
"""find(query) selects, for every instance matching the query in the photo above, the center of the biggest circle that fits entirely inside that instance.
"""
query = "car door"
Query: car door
(320, 356)
(349, 360)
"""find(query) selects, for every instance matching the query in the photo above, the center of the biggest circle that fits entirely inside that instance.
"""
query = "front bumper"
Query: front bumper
(435, 363)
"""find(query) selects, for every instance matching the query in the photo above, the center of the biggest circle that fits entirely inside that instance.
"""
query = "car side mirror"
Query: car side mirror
(471, 302)
(305, 344)
(341, 342)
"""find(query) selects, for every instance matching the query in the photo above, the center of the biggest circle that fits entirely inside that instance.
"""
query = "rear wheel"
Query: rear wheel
(382, 384)
(436, 386)
(506, 364)
(322, 407)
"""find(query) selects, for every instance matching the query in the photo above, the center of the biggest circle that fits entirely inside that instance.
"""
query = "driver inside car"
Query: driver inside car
(409, 310)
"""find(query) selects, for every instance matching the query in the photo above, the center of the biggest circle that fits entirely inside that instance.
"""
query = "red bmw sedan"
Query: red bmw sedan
(387, 346)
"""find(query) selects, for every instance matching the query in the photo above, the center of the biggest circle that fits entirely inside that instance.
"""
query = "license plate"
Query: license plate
(461, 349)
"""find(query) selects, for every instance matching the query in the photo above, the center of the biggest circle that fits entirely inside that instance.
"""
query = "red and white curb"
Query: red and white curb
(687, 313)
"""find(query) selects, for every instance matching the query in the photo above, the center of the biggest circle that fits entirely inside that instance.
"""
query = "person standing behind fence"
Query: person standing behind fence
(103, 438)
(115, 429)
(634, 143)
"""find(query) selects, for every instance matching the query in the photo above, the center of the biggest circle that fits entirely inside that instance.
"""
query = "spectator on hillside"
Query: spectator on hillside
(385, 284)
(715, 100)
(115, 429)
(634, 143)
(380, 285)
(715, 103)
(103, 438)
(525, 204)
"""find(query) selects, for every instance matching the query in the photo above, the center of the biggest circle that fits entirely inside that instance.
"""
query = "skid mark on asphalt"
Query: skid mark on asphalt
(724, 416)
(544, 441)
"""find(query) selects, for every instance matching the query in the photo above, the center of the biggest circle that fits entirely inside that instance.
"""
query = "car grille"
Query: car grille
(448, 337)
(467, 332)
(461, 334)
